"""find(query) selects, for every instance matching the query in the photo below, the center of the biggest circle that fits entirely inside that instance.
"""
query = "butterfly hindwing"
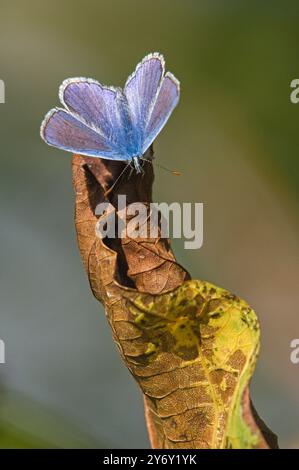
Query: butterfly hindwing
(63, 130)
(166, 100)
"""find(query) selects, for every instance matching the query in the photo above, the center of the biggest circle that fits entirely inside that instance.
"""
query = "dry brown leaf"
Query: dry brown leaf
(190, 345)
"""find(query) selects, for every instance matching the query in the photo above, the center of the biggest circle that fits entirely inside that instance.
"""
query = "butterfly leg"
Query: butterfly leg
(131, 170)
(136, 164)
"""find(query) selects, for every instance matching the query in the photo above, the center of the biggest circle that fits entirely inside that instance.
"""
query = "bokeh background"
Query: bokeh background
(235, 138)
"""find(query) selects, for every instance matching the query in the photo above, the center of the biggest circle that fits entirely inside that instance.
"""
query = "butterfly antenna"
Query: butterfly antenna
(174, 172)
(115, 182)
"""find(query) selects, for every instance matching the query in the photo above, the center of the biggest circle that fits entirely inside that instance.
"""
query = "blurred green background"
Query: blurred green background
(235, 138)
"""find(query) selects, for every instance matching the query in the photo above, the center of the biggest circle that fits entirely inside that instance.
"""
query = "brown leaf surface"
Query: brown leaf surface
(193, 399)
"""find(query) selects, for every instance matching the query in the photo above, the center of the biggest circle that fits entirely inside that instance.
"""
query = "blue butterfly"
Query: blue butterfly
(113, 123)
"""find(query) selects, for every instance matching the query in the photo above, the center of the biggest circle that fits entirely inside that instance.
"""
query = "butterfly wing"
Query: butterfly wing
(151, 97)
(141, 90)
(105, 122)
(94, 122)
(166, 100)
(63, 130)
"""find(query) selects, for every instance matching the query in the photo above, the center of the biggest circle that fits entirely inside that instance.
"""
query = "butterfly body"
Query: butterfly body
(113, 123)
